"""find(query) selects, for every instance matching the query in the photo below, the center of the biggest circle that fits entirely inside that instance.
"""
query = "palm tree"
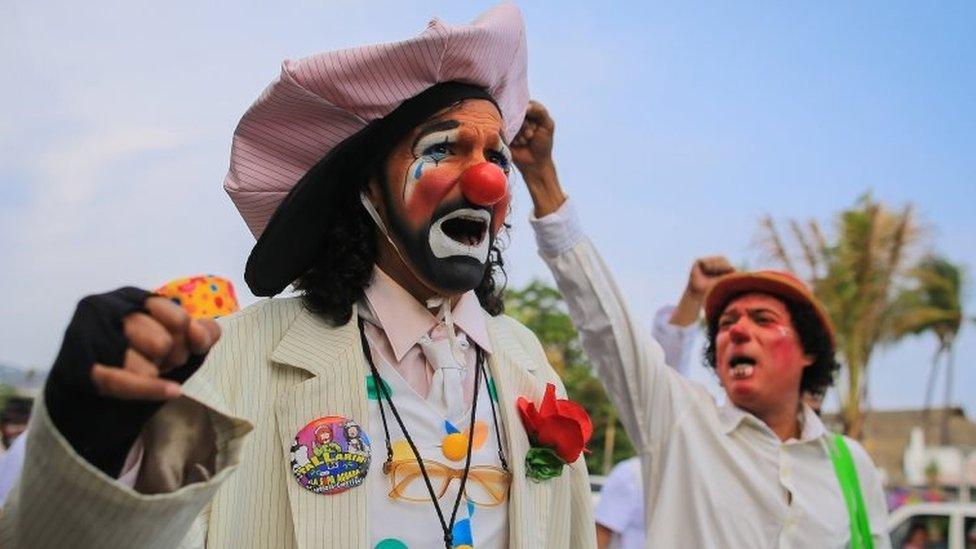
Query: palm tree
(933, 305)
(856, 277)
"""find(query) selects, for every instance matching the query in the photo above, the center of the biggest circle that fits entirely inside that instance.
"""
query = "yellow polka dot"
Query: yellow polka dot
(480, 434)
(402, 451)
(455, 446)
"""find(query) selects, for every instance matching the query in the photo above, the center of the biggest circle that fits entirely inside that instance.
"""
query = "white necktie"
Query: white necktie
(445, 387)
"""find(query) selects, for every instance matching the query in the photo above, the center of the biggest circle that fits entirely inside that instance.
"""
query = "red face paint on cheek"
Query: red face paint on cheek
(784, 348)
(428, 193)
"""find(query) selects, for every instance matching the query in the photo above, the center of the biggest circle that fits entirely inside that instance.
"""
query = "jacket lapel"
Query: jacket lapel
(513, 372)
(333, 357)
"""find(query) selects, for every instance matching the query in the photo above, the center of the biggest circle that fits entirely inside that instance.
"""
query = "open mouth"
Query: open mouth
(466, 229)
(741, 366)
(463, 232)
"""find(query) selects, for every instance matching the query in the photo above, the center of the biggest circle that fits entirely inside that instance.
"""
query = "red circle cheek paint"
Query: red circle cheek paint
(784, 347)
(428, 193)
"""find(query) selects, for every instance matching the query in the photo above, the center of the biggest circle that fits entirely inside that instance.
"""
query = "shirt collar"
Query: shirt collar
(813, 426)
(731, 416)
(404, 320)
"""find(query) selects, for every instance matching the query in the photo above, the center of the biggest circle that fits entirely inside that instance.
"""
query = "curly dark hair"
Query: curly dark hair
(344, 267)
(814, 339)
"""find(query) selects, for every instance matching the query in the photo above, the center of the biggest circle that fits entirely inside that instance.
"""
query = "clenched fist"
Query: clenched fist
(705, 271)
(125, 353)
(532, 154)
(161, 340)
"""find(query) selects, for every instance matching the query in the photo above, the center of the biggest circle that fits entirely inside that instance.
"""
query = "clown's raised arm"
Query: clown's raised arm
(649, 395)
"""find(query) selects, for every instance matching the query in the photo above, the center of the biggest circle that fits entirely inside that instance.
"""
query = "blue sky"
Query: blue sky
(678, 128)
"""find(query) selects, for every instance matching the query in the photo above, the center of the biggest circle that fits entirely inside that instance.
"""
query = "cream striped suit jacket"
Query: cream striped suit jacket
(216, 469)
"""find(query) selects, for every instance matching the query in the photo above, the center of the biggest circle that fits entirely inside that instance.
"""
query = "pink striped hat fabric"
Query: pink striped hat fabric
(319, 101)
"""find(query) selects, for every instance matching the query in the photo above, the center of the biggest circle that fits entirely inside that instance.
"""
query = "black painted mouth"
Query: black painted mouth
(467, 231)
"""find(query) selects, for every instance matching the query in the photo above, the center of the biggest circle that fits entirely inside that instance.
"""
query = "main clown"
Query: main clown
(375, 180)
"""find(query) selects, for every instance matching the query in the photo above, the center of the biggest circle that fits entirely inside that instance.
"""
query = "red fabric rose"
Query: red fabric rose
(560, 424)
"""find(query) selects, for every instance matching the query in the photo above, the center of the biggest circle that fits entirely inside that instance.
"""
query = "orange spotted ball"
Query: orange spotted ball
(202, 296)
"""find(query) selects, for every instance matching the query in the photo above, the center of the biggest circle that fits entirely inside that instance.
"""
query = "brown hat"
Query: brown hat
(779, 284)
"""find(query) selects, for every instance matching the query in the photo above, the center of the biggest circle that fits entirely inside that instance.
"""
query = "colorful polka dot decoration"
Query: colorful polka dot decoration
(461, 534)
(372, 393)
(391, 543)
(454, 445)
(202, 296)
(401, 450)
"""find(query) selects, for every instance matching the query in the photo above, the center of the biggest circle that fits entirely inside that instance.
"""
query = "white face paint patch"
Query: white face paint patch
(428, 152)
(444, 246)
(505, 162)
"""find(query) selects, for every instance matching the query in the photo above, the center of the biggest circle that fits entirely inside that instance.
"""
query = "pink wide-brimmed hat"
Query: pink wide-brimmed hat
(320, 101)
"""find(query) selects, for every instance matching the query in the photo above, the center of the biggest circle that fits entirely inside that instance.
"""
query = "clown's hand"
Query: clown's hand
(124, 354)
(532, 154)
(532, 147)
(705, 272)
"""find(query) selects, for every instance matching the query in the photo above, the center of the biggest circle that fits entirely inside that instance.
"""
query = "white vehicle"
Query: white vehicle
(949, 525)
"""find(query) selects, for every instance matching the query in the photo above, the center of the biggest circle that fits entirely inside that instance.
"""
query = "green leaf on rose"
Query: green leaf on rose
(543, 464)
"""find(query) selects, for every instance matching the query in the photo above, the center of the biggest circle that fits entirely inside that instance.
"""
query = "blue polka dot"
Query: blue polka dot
(391, 543)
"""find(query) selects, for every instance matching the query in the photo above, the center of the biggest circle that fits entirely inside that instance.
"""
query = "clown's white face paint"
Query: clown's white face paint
(503, 158)
(444, 246)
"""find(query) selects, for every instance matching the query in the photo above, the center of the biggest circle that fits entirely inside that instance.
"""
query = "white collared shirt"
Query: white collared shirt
(394, 324)
(714, 475)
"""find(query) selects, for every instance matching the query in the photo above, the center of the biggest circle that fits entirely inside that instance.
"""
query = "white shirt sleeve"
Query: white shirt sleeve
(676, 341)
(648, 395)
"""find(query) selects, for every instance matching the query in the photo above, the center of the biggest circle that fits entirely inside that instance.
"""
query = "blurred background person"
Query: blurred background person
(13, 419)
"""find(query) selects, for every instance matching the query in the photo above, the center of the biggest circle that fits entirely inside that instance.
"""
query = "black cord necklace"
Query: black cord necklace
(446, 526)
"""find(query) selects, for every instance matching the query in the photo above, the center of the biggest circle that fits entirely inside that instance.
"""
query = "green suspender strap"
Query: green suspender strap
(840, 455)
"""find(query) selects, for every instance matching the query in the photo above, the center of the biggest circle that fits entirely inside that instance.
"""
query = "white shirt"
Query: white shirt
(395, 323)
(621, 506)
(714, 476)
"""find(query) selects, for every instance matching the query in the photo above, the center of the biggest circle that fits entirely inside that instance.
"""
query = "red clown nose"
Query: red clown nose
(484, 184)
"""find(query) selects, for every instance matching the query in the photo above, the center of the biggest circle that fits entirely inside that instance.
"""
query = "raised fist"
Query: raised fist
(532, 147)
(160, 342)
(124, 354)
(705, 271)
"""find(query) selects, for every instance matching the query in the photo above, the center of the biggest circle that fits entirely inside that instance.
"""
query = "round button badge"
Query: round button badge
(330, 455)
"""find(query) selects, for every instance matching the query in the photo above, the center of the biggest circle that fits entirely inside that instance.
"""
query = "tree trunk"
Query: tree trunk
(608, 440)
(947, 400)
(930, 388)
(851, 407)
